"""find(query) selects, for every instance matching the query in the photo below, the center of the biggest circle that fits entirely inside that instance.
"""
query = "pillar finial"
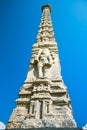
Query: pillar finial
(45, 32)
(46, 6)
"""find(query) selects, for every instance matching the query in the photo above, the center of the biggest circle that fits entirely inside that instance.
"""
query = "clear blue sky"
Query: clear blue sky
(19, 22)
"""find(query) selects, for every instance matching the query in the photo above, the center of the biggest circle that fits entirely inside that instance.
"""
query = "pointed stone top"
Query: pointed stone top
(45, 32)
(46, 6)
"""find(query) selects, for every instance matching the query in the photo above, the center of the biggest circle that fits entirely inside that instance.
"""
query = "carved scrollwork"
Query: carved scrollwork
(41, 87)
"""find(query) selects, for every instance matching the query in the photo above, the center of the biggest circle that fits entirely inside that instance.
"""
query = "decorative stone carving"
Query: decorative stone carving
(41, 88)
(43, 61)
(43, 99)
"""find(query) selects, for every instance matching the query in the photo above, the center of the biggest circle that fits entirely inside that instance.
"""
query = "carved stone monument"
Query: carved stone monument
(43, 99)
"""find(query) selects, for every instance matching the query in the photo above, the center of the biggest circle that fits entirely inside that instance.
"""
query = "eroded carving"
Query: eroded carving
(41, 88)
(43, 61)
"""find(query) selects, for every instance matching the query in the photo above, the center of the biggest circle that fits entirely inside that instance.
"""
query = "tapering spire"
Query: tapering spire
(43, 99)
(45, 32)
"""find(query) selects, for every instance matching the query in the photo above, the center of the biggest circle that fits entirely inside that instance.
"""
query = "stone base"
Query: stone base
(44, 123)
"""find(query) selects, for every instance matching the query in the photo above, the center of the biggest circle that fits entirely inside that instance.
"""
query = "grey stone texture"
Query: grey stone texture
(43, 99)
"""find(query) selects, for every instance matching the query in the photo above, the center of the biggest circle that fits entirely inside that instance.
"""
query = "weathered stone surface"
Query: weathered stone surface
(33, 123)
(43, 99)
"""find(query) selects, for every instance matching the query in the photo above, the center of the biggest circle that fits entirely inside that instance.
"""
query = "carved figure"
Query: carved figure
(43, 61)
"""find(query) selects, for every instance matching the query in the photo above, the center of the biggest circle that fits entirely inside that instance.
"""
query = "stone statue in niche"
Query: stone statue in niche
(43, 61)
